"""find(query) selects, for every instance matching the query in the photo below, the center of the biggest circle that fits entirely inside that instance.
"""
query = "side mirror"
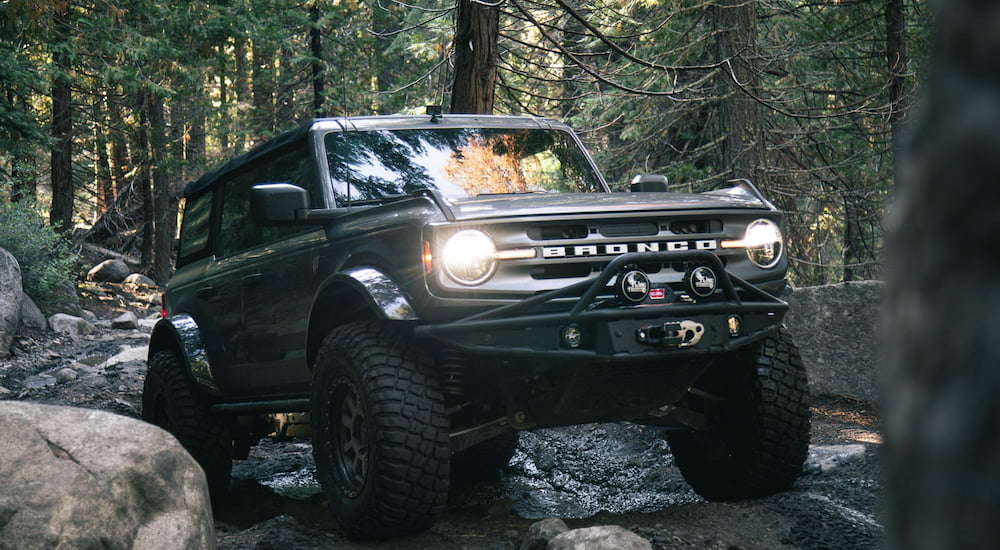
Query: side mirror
(272, 203)
(648, 183)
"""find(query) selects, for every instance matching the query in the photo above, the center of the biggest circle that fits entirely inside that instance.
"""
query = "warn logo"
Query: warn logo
(618, 249)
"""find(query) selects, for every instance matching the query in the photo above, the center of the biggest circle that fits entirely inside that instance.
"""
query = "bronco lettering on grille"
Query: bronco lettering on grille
(617, 249)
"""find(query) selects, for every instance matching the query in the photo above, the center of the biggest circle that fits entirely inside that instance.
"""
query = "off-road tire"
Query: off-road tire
(760, 437)
(172, 401)
(380, 432)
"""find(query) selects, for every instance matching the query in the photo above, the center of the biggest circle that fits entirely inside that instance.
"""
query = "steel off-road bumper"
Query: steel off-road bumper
(594, 328)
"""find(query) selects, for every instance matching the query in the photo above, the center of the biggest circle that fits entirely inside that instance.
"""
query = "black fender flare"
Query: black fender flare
(383, 299)
(181, 333)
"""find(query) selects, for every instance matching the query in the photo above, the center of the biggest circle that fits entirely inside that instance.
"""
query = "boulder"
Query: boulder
(81, 478)
(70, 325)
(601, 537)
(109, 271)
(836, 329)
(11, 296)
(541, 532)
(137, 280)
(125, 321)
(31, 315)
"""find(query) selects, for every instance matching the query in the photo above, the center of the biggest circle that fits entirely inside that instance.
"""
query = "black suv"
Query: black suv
(424, 286)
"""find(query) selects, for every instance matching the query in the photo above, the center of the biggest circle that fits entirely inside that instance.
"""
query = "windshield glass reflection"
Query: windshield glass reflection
(458, 162)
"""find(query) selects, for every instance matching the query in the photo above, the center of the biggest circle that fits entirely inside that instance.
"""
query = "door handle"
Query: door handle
(253, 279)
(206, 292)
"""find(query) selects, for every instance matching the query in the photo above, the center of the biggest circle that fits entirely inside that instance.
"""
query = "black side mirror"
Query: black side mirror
(649, 183)
(272, 203)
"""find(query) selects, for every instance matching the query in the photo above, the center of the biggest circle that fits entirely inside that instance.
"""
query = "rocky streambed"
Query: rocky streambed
(595, 474)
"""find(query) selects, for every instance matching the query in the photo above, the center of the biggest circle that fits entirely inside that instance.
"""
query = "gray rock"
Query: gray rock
(126, 321)
(64, 375)
(601, 537)
(31, 315)
(836, 329)
(136, 280)
(81, 478)
(11, 296)
(109, 271)
(70, 325)
(541, 532)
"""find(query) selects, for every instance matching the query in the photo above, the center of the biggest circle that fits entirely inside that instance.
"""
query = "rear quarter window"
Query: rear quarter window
(195, 228)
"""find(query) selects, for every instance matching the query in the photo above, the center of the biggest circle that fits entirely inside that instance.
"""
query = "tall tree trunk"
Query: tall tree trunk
(102, 168)
(165, 200)
(263, 88)
(942, 351)
(316, 46)
(241, 84)
(144, 182)
(744, 149)
(61, 215)
(895, 53)
(476, 32)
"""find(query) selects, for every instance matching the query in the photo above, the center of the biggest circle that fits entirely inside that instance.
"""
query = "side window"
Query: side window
(195, 228)
(238, 231)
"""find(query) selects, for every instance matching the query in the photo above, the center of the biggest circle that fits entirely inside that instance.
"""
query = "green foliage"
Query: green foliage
(46, 259)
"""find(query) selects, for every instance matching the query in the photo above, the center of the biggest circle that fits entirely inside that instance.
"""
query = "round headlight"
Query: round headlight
(469, 257)
(764, 244)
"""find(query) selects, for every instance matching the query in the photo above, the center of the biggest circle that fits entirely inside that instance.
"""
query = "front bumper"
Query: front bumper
(580, 323)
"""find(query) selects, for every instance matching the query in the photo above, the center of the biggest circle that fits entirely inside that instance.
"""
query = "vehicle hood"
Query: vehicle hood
(542, 204)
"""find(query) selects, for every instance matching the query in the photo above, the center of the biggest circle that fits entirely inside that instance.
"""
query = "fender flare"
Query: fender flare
(182, 333)
(383, 294)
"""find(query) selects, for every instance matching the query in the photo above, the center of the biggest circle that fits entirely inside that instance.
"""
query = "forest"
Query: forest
(109, 107)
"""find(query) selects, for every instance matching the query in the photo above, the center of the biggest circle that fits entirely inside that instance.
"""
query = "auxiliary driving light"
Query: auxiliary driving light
(735, 325)
(572, 336)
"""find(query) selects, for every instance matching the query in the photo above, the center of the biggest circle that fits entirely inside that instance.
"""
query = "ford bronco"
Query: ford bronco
(425, 286)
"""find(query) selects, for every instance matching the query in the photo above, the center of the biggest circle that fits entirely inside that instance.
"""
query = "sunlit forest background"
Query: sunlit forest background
(109, 107)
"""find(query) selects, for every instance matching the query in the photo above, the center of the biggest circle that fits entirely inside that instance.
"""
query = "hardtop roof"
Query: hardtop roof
(361, 123)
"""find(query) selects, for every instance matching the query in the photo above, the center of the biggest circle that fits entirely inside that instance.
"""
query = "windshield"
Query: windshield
(458, 162)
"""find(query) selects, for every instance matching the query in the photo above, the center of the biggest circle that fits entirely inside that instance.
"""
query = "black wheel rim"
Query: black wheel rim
(350, 437)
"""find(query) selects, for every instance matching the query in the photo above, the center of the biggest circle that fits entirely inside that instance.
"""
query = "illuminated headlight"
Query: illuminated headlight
(763, 243)
(469, 257)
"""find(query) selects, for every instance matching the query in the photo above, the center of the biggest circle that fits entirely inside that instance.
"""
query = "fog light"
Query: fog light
(572, 336)
(735, 325)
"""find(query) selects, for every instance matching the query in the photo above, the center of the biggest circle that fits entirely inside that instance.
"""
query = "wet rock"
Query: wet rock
(11, 296)
(71, 325)
(283, 531)
(823, 458)
(109, 271)
(31, 315)
(81, 478)
(541, 532)
(125, 321)
(601, 537)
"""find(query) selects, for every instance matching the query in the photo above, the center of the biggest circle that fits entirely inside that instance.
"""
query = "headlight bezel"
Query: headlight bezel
(764, 243)
(469, 257)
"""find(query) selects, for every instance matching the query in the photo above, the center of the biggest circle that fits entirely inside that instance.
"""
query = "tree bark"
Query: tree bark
(165, 199)
(316, 46)
(476, 32)
(744, 149)
(895, 53)
(942, 391)
(61, 214)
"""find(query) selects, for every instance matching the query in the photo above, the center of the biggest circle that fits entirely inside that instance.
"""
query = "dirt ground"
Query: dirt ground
(598, 474)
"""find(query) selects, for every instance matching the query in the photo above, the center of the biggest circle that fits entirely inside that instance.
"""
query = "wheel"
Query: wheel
(380, 432)
(758, 404)
(484, 460)
(172, 401)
